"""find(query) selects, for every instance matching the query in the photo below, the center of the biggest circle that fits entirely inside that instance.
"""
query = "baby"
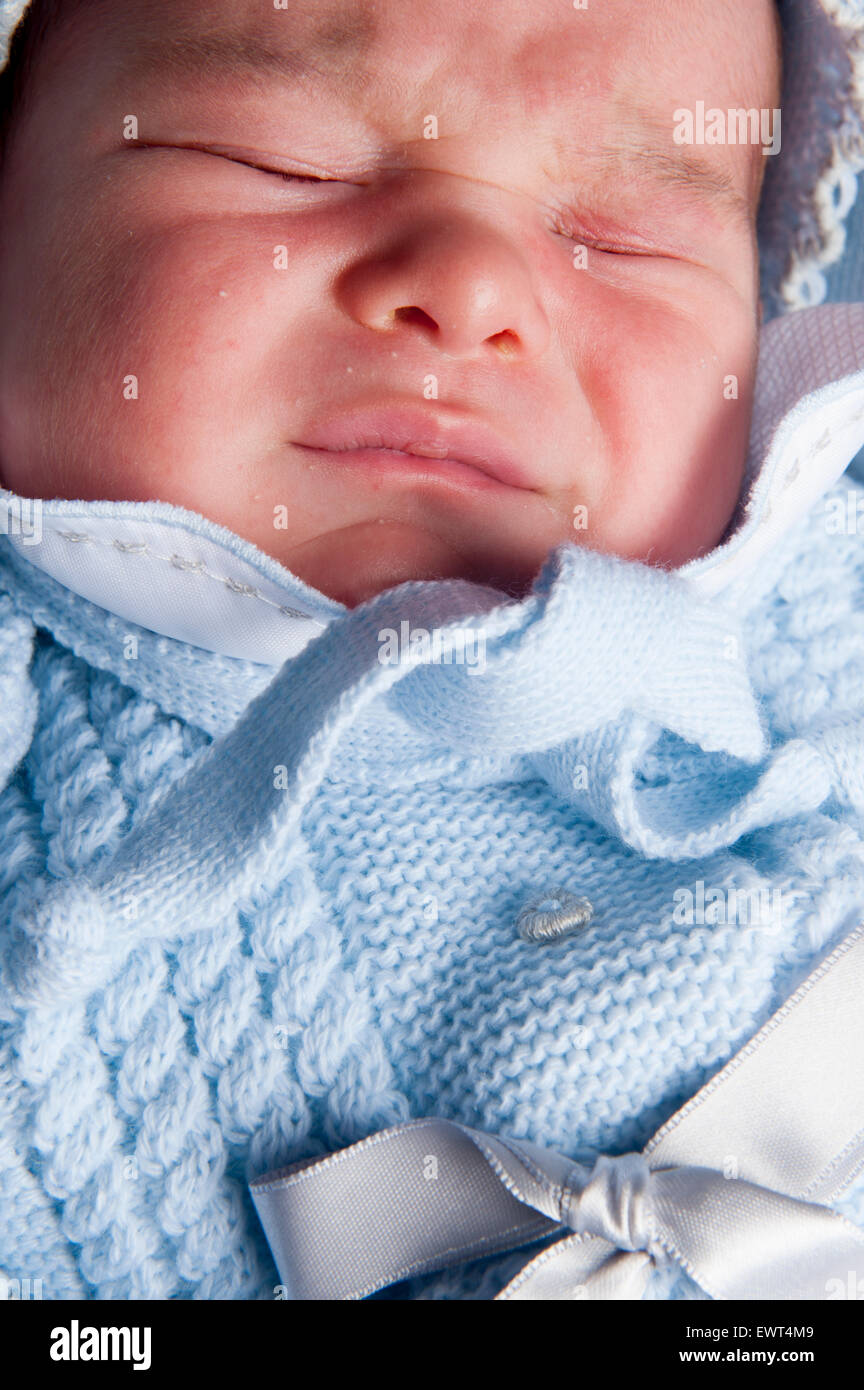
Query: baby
(303, 306)
(437, 316)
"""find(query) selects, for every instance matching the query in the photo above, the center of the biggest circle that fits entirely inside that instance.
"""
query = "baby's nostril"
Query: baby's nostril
(505, 343)
(411, 314)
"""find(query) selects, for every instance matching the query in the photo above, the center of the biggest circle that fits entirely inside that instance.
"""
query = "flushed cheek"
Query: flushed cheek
(675, 417)
(677, 494)
(165, 351)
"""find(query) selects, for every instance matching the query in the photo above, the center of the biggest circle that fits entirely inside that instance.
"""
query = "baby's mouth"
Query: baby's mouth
(404, 439)
(427, 462)
(426, 451)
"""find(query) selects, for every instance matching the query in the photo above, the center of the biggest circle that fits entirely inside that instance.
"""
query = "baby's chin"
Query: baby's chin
(356, 563)
(353, 564)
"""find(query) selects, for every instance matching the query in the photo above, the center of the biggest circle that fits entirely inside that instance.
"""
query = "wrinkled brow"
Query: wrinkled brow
(333, 48)
(678, 168)
(642, 151)
(642, 154)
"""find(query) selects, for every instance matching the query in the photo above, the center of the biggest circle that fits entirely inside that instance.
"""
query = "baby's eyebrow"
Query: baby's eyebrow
(216, 54)
(646, 156)
(643, 151)
(679, 170)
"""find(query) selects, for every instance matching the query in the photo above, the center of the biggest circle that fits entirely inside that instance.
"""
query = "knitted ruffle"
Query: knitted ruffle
(377, 972)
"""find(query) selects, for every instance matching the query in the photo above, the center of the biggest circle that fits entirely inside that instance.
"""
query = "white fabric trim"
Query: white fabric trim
(171, 580)
(826, 431)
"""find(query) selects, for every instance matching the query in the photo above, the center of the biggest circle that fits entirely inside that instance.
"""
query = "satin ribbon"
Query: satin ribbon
(734, 1188)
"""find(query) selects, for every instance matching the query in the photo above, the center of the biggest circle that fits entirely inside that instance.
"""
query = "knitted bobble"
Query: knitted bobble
(128, 998)
(23, 859)
(64, 949)
(840, 743)
(150, 750)
(363, 1098)
(18, 703)
(83, 810)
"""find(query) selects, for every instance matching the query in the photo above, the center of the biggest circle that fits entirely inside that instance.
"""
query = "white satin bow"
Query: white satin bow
(734, 1188)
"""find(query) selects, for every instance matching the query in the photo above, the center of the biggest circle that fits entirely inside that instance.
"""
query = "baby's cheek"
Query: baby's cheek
(138, 366)
(678, 429)
(63, 308)
(697, 480)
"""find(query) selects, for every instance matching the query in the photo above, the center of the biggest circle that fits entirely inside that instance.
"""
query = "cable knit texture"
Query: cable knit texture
(250, 916)
(231, 947)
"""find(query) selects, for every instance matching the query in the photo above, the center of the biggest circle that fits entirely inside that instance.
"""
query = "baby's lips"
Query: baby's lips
(424, 433)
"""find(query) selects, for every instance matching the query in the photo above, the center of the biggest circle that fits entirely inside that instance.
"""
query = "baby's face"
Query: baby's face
(432, 284)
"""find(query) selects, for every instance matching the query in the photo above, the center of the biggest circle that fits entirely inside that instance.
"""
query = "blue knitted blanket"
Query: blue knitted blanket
(251, 915)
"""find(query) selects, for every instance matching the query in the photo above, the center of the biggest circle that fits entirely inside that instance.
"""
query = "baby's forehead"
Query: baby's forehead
(504, 50)
(513, 96)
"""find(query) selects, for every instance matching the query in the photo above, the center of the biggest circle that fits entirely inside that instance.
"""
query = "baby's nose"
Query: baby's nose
(455, 279)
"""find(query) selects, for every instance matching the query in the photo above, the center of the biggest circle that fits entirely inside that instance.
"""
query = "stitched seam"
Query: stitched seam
(848, 944)
(553, 1252)
(178, 562)
(300, 1172)
(479, 1249)
(836, 1163)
